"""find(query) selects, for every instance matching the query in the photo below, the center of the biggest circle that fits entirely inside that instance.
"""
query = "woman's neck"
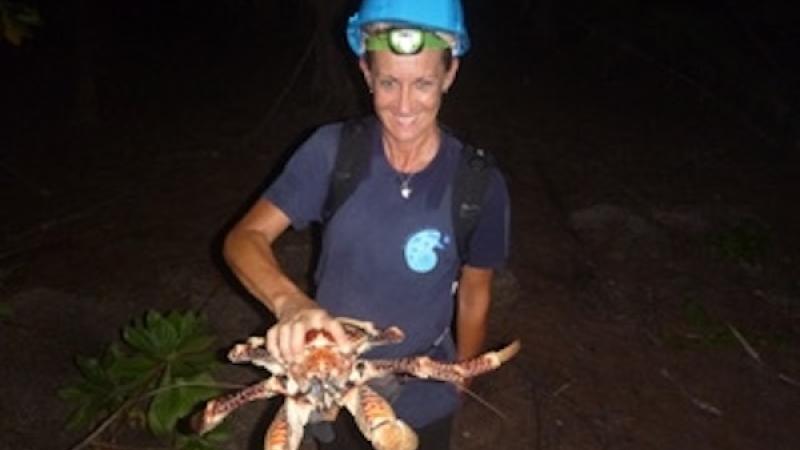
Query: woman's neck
(412, 156)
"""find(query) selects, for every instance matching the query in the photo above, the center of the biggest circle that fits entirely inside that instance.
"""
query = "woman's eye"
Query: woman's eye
(424, 85)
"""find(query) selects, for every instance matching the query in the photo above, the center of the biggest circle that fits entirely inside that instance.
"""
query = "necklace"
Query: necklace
(405, 184)
(404, 177)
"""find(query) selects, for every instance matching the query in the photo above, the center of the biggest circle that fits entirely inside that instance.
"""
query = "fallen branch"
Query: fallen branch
(700, 404)
(754, 354)
(485, 403)
(91, 437)
(561, 389)
(786, 379)
(746, 345)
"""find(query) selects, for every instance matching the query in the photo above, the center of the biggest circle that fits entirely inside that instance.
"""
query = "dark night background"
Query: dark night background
(650, 149)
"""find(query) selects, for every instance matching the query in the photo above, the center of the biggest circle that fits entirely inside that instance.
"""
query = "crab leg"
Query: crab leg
(425, 367)
(254, 352)
(377, 421)
(365, 335)
(287, 427)
(217, 409)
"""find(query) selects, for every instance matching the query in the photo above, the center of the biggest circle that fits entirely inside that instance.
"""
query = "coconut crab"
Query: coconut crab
(327, 378)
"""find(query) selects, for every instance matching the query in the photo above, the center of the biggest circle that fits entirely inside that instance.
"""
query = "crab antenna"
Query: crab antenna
(485, 403)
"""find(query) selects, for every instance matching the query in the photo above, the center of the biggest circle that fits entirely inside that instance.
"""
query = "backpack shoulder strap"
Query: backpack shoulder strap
(469, 189)
(351, 164)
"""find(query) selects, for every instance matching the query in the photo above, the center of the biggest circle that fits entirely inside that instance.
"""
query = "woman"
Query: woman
(388, 254)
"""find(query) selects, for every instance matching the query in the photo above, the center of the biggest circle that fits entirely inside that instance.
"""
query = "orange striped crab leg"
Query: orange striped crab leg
(377, 421)
(286, 429)
(218, 409)
(425, 367)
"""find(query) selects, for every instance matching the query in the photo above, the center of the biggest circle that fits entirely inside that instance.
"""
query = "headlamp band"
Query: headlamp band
(405, 41)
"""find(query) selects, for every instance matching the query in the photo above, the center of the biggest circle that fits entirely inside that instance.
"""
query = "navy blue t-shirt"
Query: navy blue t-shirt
(393, 260)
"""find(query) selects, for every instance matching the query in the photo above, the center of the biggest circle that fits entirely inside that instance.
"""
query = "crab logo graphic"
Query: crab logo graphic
(420, 249)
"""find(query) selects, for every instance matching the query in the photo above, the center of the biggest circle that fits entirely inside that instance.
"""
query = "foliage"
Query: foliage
(157, 373)
(705, 328)
(706, 331)
(744, 243)
(5, 311)
(17, 21)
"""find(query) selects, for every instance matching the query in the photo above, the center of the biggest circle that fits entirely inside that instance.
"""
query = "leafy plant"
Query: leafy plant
(744, 243)
(704, 331)
(5, 311)
(705, 328)
(17, 21)
(154, 376)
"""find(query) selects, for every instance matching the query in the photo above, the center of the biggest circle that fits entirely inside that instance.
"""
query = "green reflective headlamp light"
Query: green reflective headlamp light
(405, 41)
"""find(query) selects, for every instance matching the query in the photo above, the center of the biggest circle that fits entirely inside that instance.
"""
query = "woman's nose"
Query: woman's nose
(404, 102)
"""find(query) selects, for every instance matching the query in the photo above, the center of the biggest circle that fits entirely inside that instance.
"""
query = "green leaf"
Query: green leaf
(184, 324)
(92, 402)
(91, 369)
(188, 365)
(17, 21)
(696, 314)
(69, 393)
(130, 368)
(196, 343)
(137, 337)
(29, 17)
(177, 400)
(5, 311)
(82, 417)
(163, 333)
(171, 352)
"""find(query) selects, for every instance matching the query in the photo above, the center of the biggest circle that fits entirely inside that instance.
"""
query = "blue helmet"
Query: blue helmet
(446, 16)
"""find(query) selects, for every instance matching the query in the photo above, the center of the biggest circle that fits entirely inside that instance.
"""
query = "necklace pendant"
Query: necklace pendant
(405, 192)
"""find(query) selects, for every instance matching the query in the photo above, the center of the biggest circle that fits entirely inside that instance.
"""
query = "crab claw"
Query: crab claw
(377, 421)
(394, 435)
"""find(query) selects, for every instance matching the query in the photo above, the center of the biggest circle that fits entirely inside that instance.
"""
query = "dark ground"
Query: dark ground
(623, 178)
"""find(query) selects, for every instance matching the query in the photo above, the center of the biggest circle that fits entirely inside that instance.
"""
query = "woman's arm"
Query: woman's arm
(248, 251)
(474, 298)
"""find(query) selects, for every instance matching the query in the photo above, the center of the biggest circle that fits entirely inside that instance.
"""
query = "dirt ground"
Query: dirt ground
(654, 271)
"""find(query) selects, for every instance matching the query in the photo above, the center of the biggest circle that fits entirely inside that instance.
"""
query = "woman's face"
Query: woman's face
(407, 90)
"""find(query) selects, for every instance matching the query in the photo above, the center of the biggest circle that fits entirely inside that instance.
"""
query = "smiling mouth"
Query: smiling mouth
(405, 120)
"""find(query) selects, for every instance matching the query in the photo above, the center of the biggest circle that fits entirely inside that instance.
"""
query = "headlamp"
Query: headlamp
(405, 41)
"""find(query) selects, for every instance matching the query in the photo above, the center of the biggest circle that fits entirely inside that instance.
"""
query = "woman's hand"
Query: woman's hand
(286, 338)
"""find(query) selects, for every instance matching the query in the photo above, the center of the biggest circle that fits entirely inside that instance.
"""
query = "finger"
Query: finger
(337, 331)
(298, 339)
(272, 342)
(285, 342)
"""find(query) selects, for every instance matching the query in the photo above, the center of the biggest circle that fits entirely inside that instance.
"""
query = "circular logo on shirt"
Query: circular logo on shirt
(420, 250)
